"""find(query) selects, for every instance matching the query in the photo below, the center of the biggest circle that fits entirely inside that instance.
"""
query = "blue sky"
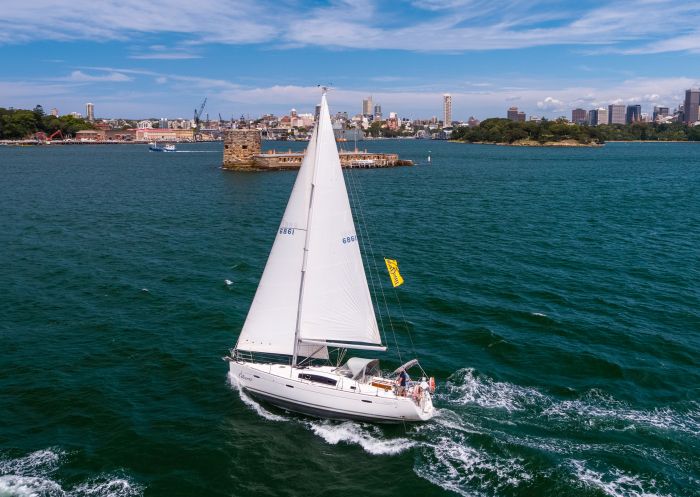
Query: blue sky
(157, 58)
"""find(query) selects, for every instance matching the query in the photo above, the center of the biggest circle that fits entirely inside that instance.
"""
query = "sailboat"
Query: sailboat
(313, 304)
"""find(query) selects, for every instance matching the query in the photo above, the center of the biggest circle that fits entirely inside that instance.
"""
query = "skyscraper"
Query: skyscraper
(593, 117)
(634, 114)
(579, 116)
(515, 115)
(660, 112)
(90, 111)
(447, 109)
(616, 114)
(377, 112)
(602, 116)
(691, 106)
(367, 106)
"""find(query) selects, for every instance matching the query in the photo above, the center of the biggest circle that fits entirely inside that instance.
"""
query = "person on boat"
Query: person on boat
(402, 381)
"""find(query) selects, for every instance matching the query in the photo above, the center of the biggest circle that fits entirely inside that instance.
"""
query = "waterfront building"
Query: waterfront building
(164, 134)
(515, 115)
(54, 112)
(634, 114)
(602, 116)
(377, 112)
(90, 111)
(367, 106)
(616, 114)
(579, 116)
(77, 115)
(145, 124)
(691, 106)
(473, 122)
(660, 113)
(447, 110)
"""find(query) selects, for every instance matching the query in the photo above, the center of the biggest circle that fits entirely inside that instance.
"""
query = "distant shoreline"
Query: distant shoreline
(533, 143)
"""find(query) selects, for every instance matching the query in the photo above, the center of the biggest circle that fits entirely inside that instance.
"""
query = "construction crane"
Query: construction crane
(197, 118)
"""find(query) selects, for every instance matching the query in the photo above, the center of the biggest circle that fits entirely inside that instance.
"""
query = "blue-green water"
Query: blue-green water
(554, 294)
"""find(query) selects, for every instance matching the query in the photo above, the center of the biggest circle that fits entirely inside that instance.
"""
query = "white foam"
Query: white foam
(616, 482)
(595, 408)
(228, 282)
(539, 314)
(250, 402)
(29, 486)
(367, 437)
(467, 388)
(452, 464)
(116, 487)
(29, 476)
(39, 462)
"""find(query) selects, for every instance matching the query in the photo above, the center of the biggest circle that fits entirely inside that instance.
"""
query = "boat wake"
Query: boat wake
(496, 438)
(33, 475)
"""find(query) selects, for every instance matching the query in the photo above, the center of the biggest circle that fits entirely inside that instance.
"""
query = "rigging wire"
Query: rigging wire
(364, 225)
(360, 190)
(363, 244)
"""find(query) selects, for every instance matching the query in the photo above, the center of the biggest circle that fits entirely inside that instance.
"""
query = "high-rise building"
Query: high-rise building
(163, 124)
(367, 106)
(634, 114)
(54, 112)
(660, 112)
(515, 115)
(602, 116)
(616, 114)
(377, 112)
(447, 109)
(579, 116)
(691, 106)
(90, 111)
(593, 117)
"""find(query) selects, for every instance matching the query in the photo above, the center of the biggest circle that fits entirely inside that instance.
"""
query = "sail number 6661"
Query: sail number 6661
(349, 239)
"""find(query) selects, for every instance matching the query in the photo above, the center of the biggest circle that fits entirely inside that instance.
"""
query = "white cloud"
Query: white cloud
(550, 104)
(625, 26)
(80, 76)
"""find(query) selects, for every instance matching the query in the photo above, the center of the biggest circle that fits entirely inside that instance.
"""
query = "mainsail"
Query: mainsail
(334, 305)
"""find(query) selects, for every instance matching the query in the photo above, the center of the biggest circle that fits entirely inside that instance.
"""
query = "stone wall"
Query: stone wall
(240, 148)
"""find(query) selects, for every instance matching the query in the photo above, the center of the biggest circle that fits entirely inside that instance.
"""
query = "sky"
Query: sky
(161, 58)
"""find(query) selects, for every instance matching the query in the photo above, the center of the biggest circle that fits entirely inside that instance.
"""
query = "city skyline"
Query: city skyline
(249, 58)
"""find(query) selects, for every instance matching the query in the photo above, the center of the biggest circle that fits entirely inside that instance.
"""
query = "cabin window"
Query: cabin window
(317, 379)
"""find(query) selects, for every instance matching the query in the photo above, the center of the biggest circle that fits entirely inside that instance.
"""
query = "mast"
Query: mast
(297, 329)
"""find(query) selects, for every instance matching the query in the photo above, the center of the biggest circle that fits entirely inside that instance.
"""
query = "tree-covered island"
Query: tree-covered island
(561, 132)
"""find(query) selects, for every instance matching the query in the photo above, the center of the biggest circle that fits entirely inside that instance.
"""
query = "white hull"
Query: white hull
(281, 385)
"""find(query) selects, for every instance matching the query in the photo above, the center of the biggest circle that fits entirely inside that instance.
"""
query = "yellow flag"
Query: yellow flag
(393, 267)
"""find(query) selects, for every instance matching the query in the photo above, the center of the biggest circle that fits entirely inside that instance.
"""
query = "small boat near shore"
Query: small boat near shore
(154, 147)
(313, 305)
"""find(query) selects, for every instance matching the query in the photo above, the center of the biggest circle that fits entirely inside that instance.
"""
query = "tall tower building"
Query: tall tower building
(691, 106)
(447, 109)
(377, 112)
(515, 115)
(634, 114)
(616, 114)
(90, 111)
(660, 112)
(579, 116)
(367, 106)
(602, 116)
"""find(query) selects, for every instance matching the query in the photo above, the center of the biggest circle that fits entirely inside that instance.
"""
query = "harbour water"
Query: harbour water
(553, 293)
